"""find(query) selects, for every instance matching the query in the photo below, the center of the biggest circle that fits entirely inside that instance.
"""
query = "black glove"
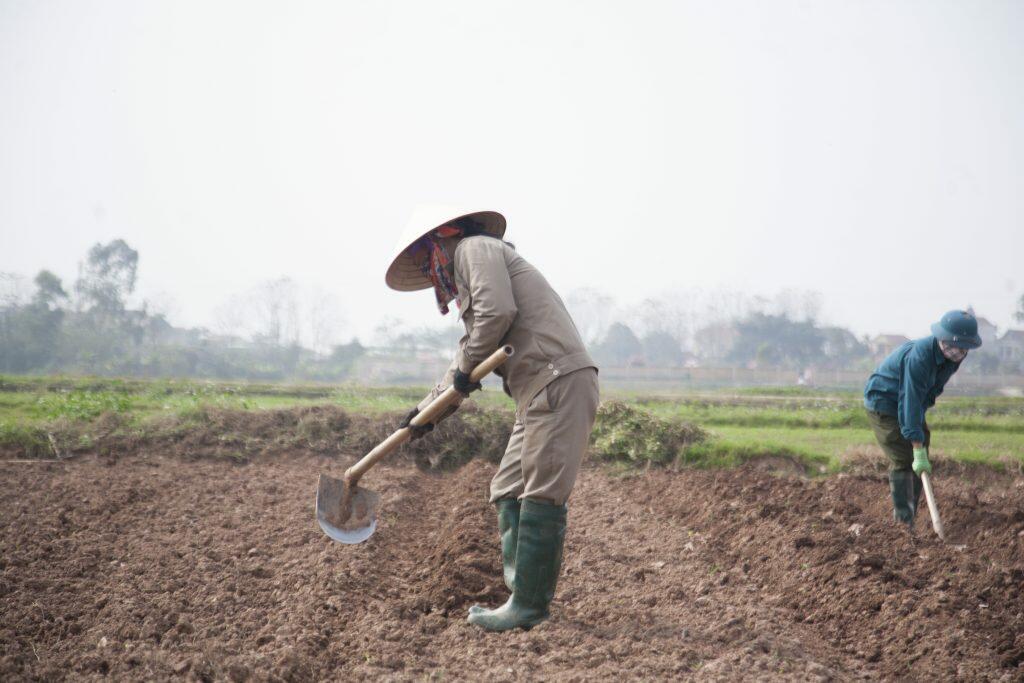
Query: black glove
(463, 385)
(417, 432)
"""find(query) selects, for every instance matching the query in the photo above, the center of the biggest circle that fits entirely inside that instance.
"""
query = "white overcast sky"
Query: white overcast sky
(872, 151)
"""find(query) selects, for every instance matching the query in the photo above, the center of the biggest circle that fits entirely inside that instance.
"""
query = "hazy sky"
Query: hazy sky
(868, 150)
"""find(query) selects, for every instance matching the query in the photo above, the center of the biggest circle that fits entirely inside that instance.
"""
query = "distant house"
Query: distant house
(987, 331)
(884, 344)
(1010, 347)
(229, 341)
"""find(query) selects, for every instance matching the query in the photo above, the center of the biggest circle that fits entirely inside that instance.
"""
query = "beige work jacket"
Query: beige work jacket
(505, 300)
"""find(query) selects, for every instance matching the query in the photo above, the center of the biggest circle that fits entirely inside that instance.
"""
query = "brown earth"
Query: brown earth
(153, 567)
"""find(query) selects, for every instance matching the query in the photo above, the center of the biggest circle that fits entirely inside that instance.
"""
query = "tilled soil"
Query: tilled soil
(152, 567)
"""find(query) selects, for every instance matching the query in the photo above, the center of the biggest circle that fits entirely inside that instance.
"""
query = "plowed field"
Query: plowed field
(153, 567)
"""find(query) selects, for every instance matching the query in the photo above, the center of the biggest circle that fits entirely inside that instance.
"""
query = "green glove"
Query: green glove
(921, 463)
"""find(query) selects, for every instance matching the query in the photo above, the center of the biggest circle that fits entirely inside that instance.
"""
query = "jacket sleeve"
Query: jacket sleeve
(913, 393)
(481, 263)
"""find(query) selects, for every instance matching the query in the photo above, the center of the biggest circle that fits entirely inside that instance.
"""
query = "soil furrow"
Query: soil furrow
(153, 567)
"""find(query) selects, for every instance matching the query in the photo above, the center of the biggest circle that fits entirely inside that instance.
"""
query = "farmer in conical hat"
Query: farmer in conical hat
(502, 299)
(899, 392)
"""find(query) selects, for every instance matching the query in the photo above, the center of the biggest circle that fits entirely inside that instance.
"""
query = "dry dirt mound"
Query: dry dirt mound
(464, 567)
(153, 567)
(242, 435)
(827, 552)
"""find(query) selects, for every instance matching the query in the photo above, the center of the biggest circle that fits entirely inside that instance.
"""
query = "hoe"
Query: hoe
(348, 513)
(933, 509)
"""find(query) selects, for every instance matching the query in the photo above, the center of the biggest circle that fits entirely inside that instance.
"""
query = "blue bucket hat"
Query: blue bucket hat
(959, 328)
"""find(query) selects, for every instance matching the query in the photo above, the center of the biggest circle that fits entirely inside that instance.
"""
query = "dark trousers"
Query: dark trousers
(904, 485)
(896, 447)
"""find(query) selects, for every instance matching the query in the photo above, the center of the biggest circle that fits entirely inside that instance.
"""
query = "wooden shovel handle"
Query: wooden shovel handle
(428, 414)
(929, 495)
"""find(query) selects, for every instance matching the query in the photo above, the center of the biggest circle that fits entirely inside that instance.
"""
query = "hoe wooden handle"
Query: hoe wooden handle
(435, 408)
(932, 507)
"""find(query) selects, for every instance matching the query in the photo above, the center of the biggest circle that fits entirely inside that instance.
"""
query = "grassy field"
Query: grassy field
(829, 428)
(823, 429)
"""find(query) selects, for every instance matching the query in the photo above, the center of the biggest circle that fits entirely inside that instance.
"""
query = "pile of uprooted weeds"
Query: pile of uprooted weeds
(625, 433)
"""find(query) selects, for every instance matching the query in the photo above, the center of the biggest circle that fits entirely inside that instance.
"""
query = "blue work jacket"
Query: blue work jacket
(907, 383)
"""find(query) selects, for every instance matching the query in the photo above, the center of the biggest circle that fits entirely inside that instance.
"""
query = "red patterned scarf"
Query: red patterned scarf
(435, 264)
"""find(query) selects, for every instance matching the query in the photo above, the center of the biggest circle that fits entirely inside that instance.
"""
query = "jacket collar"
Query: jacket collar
(939, 358)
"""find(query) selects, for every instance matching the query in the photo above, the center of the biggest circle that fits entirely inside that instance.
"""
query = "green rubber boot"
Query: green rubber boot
(901, 485)
(508, 528)
(537, 564)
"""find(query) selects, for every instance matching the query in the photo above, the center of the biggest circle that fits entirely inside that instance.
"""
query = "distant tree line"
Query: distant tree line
(274, 331)
(732, 329)
(92, 330)
(758, 340)
(716, 327)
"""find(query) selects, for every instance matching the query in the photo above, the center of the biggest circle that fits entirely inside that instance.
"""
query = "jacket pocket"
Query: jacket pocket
(540, 403)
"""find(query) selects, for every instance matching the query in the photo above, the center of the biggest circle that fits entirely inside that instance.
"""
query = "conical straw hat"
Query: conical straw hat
(405, 273)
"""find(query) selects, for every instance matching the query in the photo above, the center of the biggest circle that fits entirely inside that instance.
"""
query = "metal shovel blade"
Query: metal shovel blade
(346, 515)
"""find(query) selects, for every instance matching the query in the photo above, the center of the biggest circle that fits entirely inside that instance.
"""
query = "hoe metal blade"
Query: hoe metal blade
(347, 515)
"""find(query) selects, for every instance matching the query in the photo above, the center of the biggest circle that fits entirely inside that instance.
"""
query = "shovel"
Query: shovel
(347, 513)
(932, 507)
